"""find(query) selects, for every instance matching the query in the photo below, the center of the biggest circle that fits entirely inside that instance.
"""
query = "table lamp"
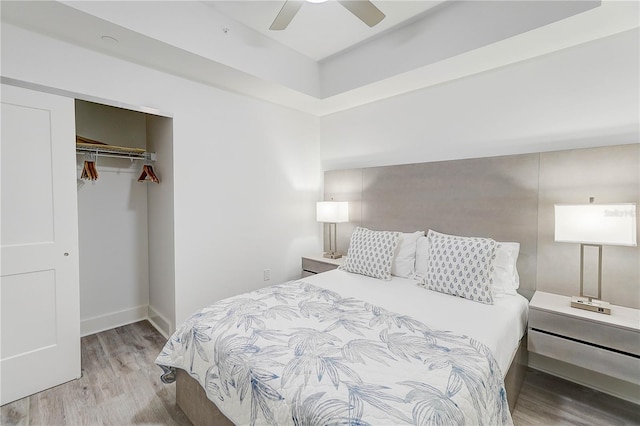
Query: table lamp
(592, 226)
(332, 212)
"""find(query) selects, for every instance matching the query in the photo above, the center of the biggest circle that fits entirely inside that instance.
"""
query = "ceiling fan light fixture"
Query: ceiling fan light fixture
(316, 1)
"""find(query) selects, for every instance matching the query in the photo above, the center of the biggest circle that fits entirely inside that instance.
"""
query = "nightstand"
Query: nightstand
(312, 265)
(608, 344)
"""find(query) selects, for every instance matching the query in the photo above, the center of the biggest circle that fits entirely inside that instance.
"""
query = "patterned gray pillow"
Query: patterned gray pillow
(371, 253)
(460, 266)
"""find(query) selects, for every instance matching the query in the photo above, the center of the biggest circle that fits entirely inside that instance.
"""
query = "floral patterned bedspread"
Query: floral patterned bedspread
(298, 354)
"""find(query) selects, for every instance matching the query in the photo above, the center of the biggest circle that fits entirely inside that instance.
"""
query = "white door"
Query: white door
(39, 284)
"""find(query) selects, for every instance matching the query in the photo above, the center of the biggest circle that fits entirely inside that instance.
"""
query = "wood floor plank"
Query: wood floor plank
(47, 408)
(79, 401)
(144, 341)
(120, 355)
(16, 413)
(549, 400)
(120, 385)
(97, 368)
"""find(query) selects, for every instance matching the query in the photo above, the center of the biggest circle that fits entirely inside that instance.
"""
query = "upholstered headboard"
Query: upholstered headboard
(508, 198)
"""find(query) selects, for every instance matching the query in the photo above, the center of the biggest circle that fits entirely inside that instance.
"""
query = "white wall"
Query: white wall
(246, 173)
(112, 223)
(162, 271)
(581, 97)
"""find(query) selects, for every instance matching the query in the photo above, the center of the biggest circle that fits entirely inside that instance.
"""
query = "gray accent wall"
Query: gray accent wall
(508, 198)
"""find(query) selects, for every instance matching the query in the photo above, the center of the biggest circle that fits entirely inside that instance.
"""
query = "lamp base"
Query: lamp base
(593, 305)
(332, 255)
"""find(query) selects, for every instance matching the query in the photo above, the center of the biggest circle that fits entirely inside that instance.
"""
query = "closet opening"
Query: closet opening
(125, 218)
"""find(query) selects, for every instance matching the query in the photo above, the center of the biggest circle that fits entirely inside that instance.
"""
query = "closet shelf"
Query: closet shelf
(88, 146)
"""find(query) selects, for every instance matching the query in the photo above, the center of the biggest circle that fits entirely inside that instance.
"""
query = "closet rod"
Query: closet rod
(105, 152)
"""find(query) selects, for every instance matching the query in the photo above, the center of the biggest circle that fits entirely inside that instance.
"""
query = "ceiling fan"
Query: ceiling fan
(366, 11)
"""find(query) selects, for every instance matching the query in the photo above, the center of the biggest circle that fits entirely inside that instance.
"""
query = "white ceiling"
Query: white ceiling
(320, 30)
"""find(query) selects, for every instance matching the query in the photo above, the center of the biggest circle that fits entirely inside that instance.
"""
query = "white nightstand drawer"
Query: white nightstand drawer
(601, 334)
(605, 361)
(317, 264)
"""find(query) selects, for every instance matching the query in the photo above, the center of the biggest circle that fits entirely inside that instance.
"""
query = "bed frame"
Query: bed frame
(191, 398)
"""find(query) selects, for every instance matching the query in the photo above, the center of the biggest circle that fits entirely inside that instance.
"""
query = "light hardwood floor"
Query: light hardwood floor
(120, 385)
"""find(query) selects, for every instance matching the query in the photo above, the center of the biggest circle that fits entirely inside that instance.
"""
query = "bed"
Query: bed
(346, 348)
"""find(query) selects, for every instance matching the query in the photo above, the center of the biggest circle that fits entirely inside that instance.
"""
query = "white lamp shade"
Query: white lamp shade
(332, 211)
(606, 224)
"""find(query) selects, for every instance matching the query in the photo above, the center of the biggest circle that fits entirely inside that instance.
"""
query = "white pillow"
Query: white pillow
(506, 279)
(505, 273)
(460, 266)
(371, 253)
(422, 258)
(404, 262)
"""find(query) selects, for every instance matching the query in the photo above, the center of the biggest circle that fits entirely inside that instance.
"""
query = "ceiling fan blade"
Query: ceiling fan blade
(366, 11)
(286, 14)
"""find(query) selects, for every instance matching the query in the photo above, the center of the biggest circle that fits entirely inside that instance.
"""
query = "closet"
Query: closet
(78, 255)
(125, 217)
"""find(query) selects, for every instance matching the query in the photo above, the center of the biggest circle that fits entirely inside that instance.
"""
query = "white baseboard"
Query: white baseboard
(606, 384)
(115, 319)
(163, 325)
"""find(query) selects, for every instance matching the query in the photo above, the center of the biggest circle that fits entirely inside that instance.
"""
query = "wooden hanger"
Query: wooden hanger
(148, 174)
(85, 171)
(89, 171)
(94, 171)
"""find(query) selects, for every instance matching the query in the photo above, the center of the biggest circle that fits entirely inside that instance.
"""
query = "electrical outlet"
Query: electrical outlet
(266, 274)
